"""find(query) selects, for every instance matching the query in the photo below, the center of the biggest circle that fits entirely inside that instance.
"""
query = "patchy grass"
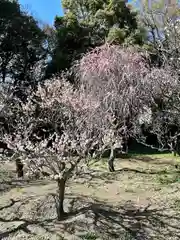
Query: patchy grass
(169, 179)
(89, 236)
(163, 156)
(176, 204)
(140, 200)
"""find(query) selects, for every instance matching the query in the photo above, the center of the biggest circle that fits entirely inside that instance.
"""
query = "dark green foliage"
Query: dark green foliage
(21, 45)
(87, 24)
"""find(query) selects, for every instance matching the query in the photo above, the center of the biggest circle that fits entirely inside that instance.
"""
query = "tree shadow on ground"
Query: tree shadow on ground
(22, 226)
(106, 221)
(157, 161)
(93, 176)
(20, 183)
(128, 219)
(149, 172)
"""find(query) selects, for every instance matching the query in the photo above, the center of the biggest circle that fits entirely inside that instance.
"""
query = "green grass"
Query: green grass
(176, 204)
(102, 163)
(89, 236)
(168, 179)
(158, 155)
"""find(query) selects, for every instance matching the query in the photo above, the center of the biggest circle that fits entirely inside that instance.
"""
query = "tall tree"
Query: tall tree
(22, 46)
(162, 24)
(87, 24)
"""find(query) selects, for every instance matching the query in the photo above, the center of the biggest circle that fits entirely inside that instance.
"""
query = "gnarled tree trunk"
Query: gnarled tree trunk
(60, 203)
(19, 168)
(176, 147)
(111, 160)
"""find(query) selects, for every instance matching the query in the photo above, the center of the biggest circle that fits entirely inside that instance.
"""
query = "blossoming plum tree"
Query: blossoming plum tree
(68, 111)
(115, 76)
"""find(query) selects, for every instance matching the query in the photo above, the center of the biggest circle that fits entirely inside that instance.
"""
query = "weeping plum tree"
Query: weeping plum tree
(116, 77)
(138, 95)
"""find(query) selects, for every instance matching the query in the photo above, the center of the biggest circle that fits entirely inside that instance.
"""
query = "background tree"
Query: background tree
(158, 18)
(87, 24)
(164, 122)
(22, 47)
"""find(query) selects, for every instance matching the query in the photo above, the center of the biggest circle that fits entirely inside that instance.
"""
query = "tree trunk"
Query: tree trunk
(178, 146)
(19, 168)
(174, 153)
(60, 206)
(111, 160)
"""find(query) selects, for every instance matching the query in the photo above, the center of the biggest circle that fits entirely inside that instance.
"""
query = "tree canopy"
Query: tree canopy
(87, 24)
(22, 46)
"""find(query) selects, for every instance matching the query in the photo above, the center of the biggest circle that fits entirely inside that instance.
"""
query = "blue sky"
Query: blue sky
(44, 10)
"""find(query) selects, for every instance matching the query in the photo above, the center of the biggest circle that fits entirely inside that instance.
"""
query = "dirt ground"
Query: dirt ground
(141, 200)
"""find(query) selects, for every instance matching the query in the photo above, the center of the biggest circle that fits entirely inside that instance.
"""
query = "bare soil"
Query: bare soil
(141, 200)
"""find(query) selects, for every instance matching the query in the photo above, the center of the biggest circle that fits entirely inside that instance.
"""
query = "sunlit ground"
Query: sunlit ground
(140, 200)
